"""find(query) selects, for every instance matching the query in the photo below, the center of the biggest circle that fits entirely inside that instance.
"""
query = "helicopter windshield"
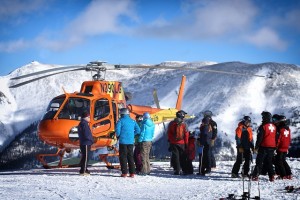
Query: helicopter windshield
(53, 107)
(73, 108)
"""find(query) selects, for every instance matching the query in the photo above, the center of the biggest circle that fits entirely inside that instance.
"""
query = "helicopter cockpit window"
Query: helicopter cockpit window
(73, 108)
(52, 108)
(102, 109)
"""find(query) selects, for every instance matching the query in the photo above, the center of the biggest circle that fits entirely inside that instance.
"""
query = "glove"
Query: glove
(170, 149)
(212, 143)
(241, 150)
(255, 150)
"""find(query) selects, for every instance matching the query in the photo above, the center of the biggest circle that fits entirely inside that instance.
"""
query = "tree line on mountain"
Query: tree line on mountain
(21, 152)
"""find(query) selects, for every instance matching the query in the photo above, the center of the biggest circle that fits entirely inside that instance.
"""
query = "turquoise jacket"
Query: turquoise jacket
(126, 129)
(147, 131)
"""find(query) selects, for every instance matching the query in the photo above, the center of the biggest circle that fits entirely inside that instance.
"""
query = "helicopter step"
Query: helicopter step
(103, 158)
(60, 153)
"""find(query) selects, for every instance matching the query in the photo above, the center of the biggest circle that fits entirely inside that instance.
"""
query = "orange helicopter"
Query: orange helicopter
(58, 126)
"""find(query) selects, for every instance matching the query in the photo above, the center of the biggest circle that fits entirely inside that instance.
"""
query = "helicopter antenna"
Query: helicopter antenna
(64, 90)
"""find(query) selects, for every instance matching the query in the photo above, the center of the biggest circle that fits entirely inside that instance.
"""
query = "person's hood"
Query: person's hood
(178, 120)
(148, 122)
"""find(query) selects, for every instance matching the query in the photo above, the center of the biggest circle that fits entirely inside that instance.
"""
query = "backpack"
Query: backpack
(179, 131)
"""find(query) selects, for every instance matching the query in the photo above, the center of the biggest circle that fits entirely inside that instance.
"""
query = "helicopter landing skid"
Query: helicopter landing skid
(103, 157)
(60, 153)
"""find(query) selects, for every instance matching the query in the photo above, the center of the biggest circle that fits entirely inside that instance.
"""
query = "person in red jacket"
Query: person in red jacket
(284, 141)
(178, 136)
(265, 146)
(190, 151)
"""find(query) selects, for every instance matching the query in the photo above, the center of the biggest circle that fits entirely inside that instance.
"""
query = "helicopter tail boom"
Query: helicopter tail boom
(180, 94)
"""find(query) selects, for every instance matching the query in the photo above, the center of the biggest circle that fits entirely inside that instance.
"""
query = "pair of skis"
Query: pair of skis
(246, 194)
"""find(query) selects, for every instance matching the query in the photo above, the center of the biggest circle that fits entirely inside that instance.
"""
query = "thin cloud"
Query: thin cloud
(208, 19)
(13, 46)
(266, 37)
(12, 9)
(231, 20)
(292, 19)
(100, 17)
(221, 17)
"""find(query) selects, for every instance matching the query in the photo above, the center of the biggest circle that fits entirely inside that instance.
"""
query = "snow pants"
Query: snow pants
(205, 165)
(85, 157)
(213, 159)
(265, 154)
(137, 158)
(239, 160)
(281, 166)
(126, 156)
(145, 153)
(178, 158)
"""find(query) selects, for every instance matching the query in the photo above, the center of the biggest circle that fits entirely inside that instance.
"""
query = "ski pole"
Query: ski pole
(258, 189)
(200, 168)
(243, 170)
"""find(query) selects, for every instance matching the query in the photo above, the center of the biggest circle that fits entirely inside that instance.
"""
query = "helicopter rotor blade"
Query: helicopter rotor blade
(47, 71)
(180, 68)
(41, 77)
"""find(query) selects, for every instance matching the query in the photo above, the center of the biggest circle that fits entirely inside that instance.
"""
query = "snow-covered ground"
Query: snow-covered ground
(161, 184)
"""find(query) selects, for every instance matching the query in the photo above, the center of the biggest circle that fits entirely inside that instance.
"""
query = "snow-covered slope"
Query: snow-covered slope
(228, 96)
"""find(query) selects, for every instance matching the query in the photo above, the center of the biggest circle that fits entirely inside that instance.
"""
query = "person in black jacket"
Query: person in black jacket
(204, 141)
(86, 141)
(214, 127)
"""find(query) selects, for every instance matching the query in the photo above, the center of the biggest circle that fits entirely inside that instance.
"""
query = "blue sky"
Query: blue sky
(148, 31)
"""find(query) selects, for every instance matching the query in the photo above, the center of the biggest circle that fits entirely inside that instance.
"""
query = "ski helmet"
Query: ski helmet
(282, 118)
(247, 119)
(192, 134)
(207, 113)
(180, 114)
(266, 116)
(275, 118)
(146, 115)
(124, 111)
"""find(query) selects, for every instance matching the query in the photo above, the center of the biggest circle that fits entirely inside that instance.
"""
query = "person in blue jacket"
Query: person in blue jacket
(126, 129)
(145, 140)
(85, 141)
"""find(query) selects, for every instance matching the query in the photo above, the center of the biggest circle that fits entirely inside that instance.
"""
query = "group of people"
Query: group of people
(273, 135)
(183, 145)
(135, 142)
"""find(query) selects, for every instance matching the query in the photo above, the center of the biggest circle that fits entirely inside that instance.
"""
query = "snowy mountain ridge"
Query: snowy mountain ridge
(229, 97)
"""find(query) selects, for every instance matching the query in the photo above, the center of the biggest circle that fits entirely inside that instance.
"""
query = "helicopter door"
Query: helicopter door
(102, 116)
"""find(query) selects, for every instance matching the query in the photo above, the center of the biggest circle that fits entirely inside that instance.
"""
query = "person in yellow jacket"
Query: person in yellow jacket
(244, 142)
